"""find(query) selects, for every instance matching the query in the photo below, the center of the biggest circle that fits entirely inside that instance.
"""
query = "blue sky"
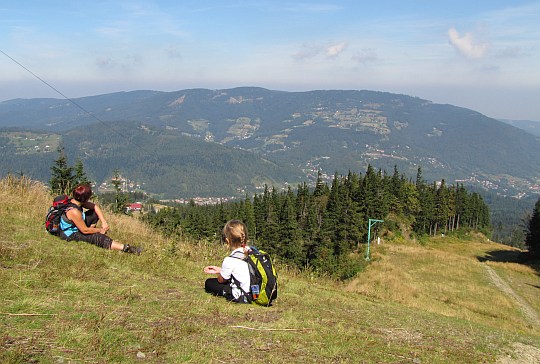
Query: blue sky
(483, 55)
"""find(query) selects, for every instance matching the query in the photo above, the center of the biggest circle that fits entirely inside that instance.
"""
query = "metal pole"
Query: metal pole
(371, 222)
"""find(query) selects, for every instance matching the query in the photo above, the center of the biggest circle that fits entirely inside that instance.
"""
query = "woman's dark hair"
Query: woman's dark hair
(82, 193)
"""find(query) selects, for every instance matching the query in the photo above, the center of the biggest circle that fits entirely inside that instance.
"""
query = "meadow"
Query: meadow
(452, 299)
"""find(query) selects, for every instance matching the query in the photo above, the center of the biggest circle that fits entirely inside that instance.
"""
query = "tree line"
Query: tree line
(324, 228)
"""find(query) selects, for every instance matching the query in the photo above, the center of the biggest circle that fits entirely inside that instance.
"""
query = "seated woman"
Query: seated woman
(77, 224)
(232, 281)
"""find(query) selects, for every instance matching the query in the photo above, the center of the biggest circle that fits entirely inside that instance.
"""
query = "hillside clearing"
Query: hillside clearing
(71, 302)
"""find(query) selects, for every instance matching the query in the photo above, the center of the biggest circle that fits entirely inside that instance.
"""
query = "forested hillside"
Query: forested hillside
(326, 228)
(331, 131)
(166, 163)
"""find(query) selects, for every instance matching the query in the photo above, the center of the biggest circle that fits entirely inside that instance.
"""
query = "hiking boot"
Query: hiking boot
(131, 249)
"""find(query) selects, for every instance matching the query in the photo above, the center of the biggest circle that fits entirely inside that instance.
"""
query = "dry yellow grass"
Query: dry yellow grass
(447, 277)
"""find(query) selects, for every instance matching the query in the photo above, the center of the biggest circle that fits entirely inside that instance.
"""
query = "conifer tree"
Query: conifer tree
(461, 206)
(80, 175)
(333, 209)
(426, 211)
(383, 194)
(321, 188)
(248, 217)
(62, 179)
(290, 244)
(354, 218)
(370, 193)
(270, 228)
(395, 189)
(121, 198)
(480, 215)
(259, 211)
(419, 179)
(302, 206)
(220, 217)
(411, 202)
(442, 207)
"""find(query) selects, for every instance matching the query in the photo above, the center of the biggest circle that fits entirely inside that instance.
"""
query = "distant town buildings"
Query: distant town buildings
(126, 185)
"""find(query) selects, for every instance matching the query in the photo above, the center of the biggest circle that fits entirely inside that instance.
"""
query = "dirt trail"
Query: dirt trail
(526, 309)
(519, 353)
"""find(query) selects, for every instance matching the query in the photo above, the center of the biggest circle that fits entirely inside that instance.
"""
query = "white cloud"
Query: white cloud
(336, 49)
(314, 50)
(466, 45)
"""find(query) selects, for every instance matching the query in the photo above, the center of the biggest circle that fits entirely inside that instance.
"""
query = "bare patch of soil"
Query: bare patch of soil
(520, 354)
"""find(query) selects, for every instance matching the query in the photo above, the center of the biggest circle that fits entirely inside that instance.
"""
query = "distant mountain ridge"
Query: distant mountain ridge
(529, 126)
(332, 130)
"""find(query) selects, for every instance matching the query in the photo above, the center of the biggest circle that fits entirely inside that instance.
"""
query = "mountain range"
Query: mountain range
(233, 141)
(529, 126)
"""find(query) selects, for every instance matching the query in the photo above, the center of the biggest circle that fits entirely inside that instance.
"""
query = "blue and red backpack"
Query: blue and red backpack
(52, 220)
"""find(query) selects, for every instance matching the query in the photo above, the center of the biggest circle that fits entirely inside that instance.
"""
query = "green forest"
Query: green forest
(325, 228)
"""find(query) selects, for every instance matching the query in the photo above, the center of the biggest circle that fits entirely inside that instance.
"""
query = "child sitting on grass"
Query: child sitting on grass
(232, 281)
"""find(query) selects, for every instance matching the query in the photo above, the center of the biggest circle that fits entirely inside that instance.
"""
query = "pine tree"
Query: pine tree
(80, 176)
(353, 213)
(370, 192)
(269, 229)
(442, 208)
(248, 216)
(419, 179)
(121, 198)
(62, 179)
(321, 188)
(411, 202)
(290, 244)
(532, 239)
(462, 206)
(302, 206)
(259, 211)
(333, 210)
(396, 199)
(426, 212)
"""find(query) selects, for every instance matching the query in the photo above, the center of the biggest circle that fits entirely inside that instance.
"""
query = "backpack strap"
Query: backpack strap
(247, 295)
(68, 207)
(250, 249)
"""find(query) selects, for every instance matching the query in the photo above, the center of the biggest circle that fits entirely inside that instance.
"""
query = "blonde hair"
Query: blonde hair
(236, 233)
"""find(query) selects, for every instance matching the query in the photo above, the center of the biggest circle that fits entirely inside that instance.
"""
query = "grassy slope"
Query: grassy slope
(72, 302)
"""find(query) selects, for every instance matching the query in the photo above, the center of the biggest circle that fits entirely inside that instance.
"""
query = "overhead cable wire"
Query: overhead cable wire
(73, 101)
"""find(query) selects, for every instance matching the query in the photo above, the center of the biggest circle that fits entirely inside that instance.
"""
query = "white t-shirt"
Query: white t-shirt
(237, 268)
